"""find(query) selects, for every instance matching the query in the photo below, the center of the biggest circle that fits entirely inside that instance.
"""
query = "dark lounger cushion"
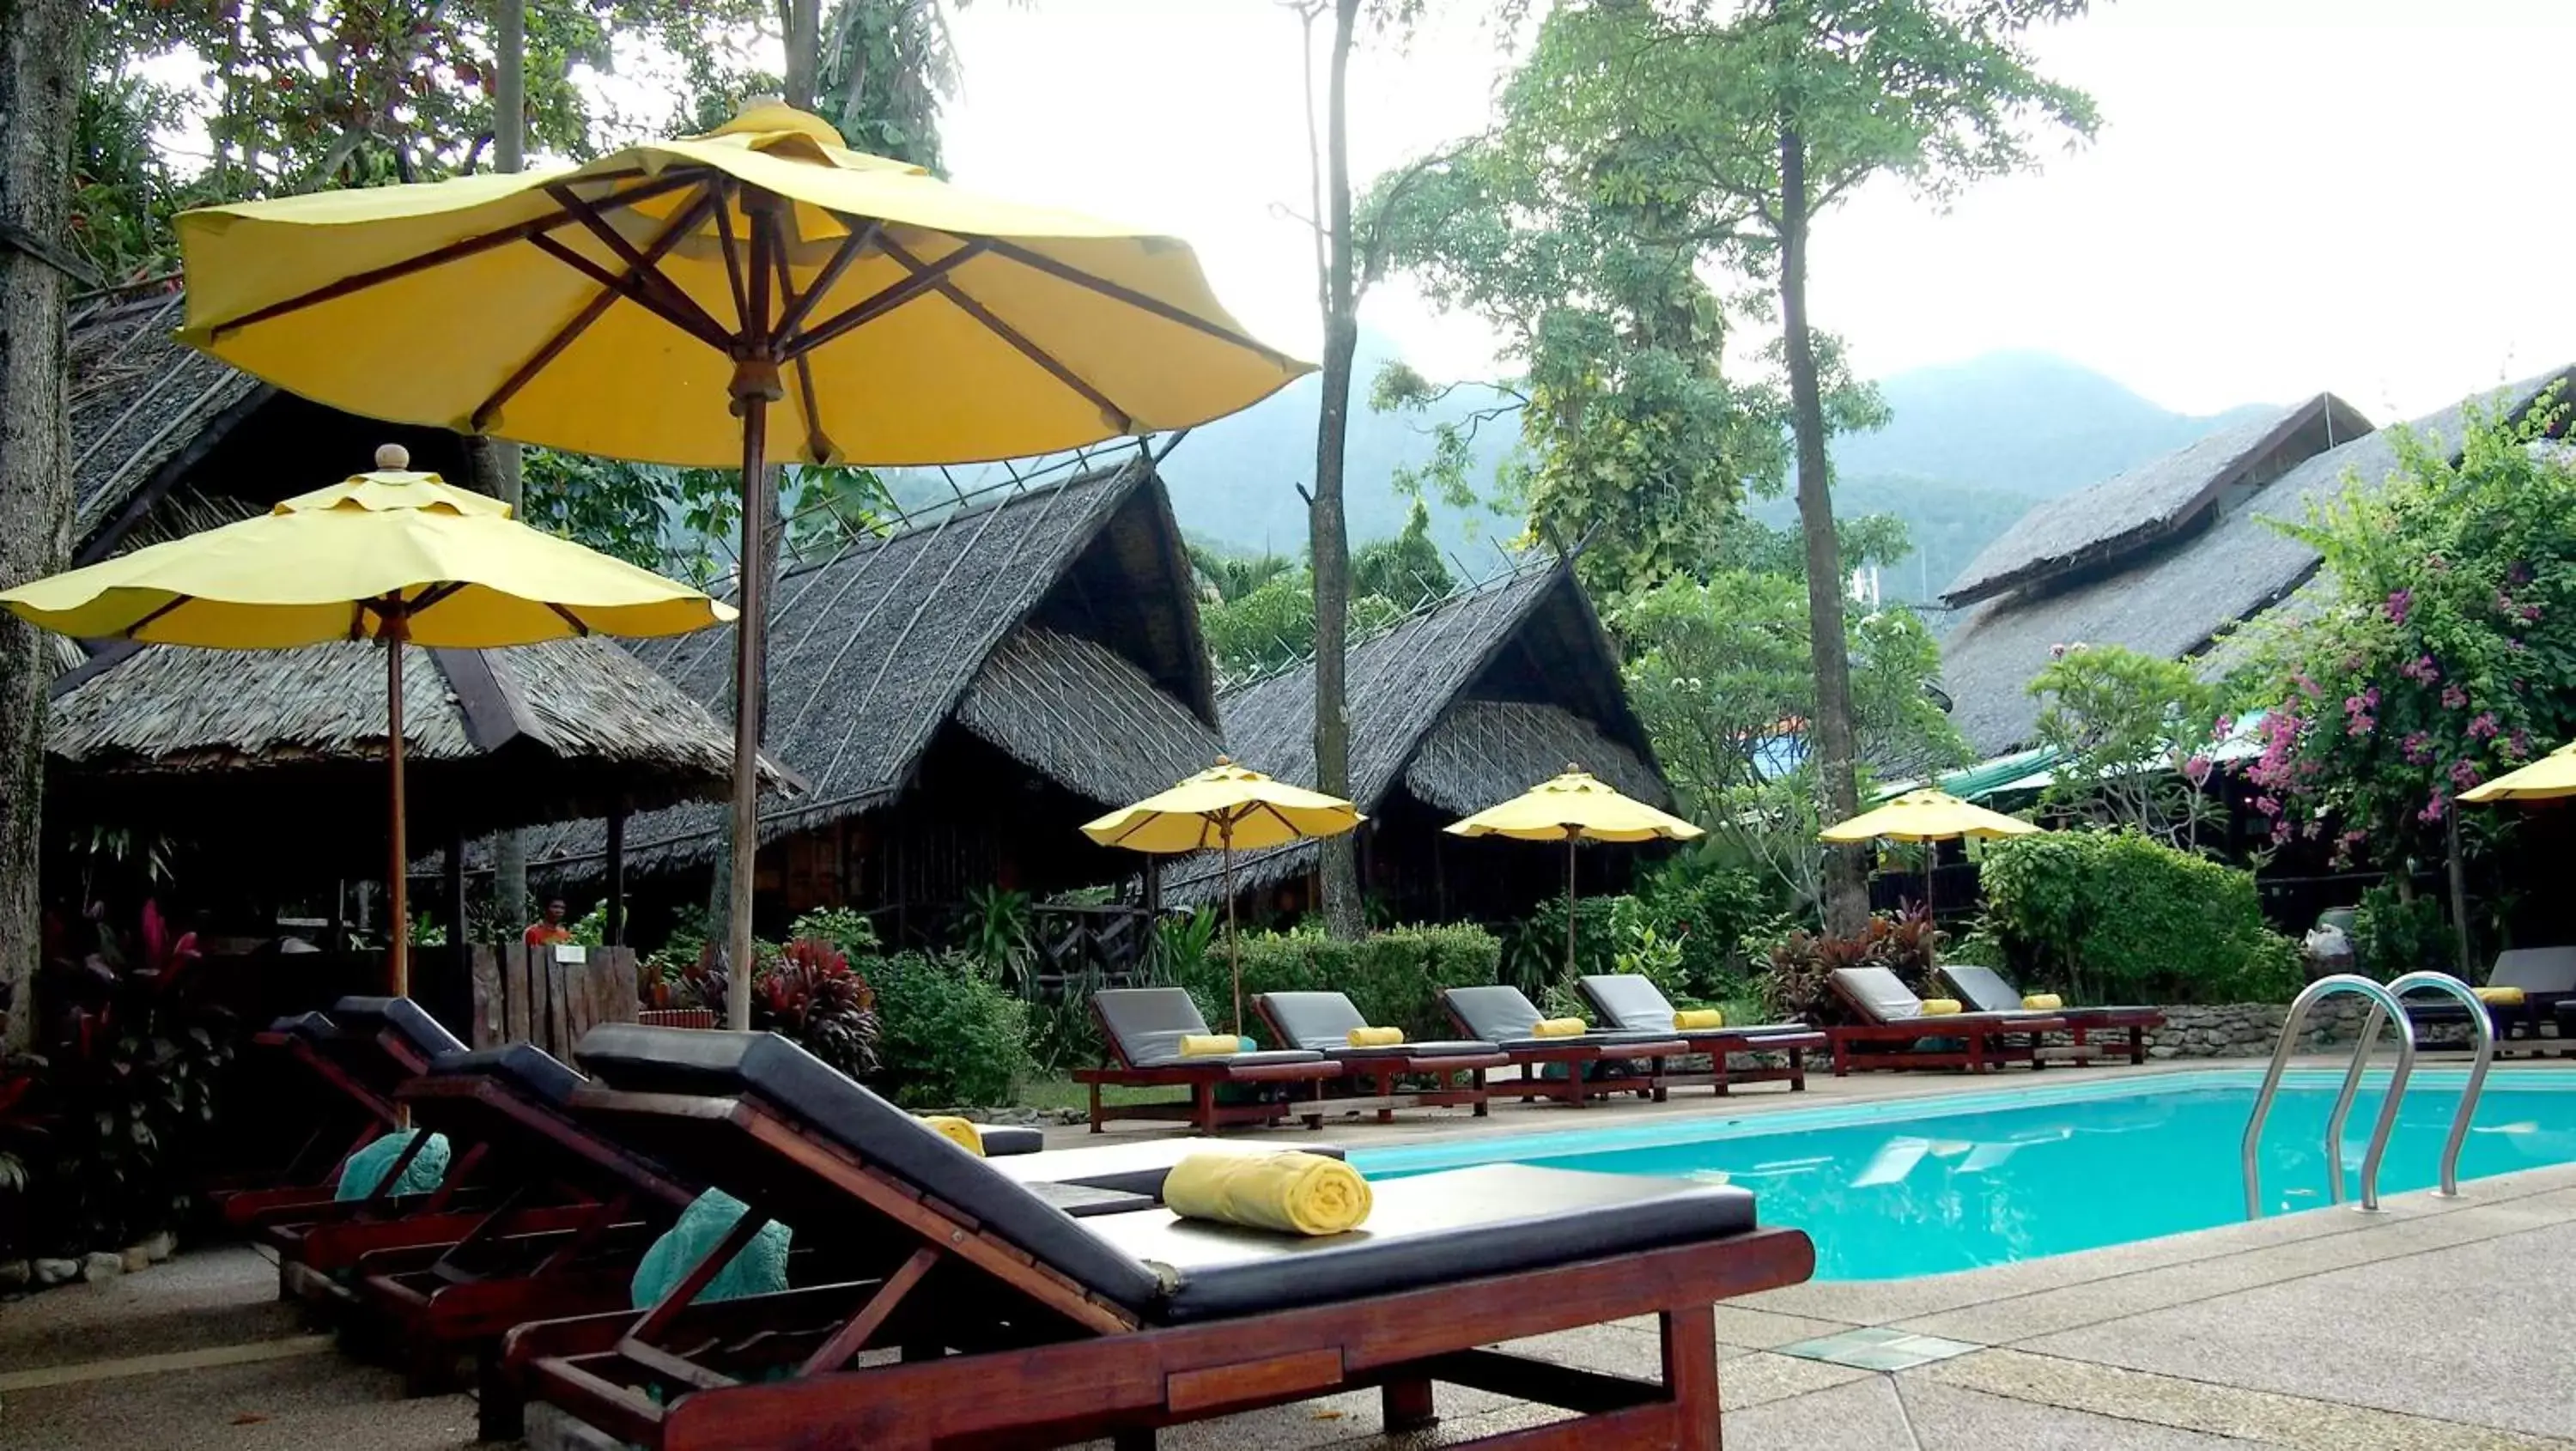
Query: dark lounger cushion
(1504, 1016)
(1628, 1000)
(405, 1017)
(1496, 1219)
(1149, 1023)
(304, 1025)
(525, 1066)
(1002, 1140)
(818, 1097)
(1322, 1021)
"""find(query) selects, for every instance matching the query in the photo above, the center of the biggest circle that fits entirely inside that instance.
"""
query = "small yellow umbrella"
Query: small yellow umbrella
(1230, 809)
(1570, 808)
(2550, 777)
(1924, 816)
(655, 303)
(391, 555)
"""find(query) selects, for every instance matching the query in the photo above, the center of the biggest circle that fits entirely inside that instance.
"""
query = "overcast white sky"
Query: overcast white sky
(2288, 195)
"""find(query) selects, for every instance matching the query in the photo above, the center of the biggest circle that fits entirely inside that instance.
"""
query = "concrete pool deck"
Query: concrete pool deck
(2433, 1324)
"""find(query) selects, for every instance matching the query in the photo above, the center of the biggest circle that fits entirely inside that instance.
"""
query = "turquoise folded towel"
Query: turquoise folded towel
(366, 1168)
(760, 1268)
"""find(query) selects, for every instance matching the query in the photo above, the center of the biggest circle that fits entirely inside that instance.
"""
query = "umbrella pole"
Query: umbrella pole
(755, 386)
(1233, 941)
(397, 887)
(1569, 900)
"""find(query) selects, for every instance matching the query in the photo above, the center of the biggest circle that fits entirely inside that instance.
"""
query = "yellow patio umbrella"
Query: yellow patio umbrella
(1571, 808)
(1926, 816)
(391, 555)
(2550, 777)
(653, 304)
(1230, 809)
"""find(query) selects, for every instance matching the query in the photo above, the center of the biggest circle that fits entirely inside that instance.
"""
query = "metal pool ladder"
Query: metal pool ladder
(2386, 1006)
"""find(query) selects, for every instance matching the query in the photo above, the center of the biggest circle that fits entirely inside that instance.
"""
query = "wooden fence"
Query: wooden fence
(550, 996)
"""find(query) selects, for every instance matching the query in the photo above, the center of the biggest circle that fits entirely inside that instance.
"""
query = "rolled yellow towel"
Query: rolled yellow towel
(2504, 997)
(1290, 1193)
(2043, 1002)
(1699, 1018)
(1210, 1045)
(1560, 1028)
(957, 1131)
(1376, 1037)
(1940, 1007)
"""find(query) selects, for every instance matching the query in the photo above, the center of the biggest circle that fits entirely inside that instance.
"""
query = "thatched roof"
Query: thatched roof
(157, 425)
(2158, 500)
(1055, 622)
(2172, 601)
(1464, 703)
(492, 738)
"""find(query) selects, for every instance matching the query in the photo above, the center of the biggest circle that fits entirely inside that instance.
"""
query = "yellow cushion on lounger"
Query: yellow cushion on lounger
(2507, 997)
(1690, 1018)
(957, 1131)
(1376, 1037)
(1940, 1007)
(1560, 1028)
(1210, 1045)
(2043, 1002)
(1291, 1193)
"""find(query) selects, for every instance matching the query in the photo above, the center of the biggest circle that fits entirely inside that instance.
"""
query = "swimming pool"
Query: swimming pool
(1920, 1187)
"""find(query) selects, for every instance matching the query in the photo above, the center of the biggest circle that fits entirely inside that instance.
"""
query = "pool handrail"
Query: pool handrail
(2482, 1035)
(2385, 1007)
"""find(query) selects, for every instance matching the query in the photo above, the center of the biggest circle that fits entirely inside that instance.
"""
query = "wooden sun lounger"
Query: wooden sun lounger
(1985, 990)
(1321, 1022)
(1892, 1015)
(1504, 1017)
(2547, 977)
(1631, 1003)
(357, 1060)
(1142, 1028)
(1013, 1325)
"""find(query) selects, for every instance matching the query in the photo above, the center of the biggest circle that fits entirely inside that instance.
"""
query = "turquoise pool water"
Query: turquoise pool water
(1892, 1190)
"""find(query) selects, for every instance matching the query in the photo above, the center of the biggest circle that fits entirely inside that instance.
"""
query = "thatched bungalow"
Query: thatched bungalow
(1457, 706)
(958, 697)
(167, 441)
(2166, 558)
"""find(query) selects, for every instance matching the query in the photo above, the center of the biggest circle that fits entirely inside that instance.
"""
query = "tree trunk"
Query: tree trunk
(1829, 735)
(40, 74)
(804, 50)
(1329, 536)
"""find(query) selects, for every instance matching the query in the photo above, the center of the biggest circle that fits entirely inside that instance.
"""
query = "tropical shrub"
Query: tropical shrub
(2393, 936)
(814, 996)
(2115, 916)
(1394, 977)
(1799, 984)
(850, 930)
(949, 1036)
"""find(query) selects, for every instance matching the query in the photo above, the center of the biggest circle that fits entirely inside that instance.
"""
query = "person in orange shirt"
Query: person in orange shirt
(549, 929)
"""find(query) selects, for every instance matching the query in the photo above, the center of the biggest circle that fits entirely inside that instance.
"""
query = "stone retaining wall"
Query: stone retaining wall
(2248, 1030)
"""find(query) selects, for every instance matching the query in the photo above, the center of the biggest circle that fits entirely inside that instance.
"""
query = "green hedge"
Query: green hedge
(951, 1036)
(2116, 916)
(1395, 976)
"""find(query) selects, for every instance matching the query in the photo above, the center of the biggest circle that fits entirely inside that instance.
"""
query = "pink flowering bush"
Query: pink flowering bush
(2439, 660)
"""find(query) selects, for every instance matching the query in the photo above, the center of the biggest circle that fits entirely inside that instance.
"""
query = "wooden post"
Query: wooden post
(397, 889)
(456, 993)
(2459, 892)
(616, 925)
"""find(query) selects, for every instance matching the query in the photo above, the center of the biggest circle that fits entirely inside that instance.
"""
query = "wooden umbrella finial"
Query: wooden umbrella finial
(1223, 761)
(393, 457)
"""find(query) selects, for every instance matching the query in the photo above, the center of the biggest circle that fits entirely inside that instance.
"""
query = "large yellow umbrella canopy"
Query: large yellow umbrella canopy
(1228, 809)
(1926, 815)
(1574, 807)
(2550, 777)
(391, 555)
(654, 303)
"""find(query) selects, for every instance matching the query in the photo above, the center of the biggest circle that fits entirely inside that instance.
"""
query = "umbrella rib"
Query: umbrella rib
(135, 631)
(893, 296)
(569, 618)
(452, 252)
(590, 313)
(1116, 416)
(1130, 296)
(699, 327)
(852, 248)
(649, 277)
(732, 256)
(818, 446)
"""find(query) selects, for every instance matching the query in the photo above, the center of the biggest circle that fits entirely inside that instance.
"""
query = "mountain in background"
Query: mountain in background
(1968, 448)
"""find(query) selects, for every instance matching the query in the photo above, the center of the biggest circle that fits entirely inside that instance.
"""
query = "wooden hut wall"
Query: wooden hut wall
(1423, 874)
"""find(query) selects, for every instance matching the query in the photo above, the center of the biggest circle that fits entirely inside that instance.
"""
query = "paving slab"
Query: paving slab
(1945, 1418)
(314, 1403)
(209, 1297)
(1863, 1415)
(2475, 1333)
